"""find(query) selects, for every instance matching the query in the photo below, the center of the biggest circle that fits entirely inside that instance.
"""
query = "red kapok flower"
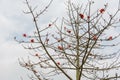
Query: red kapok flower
(110, 38)
(60, 47)
(58, 63)
(94, 37)
(68, 46)
(69, 31)
(32, 40)
(24, 35)
(81, 16)
(102, 10)
(36, 55)
(88, 17)
(50, 25)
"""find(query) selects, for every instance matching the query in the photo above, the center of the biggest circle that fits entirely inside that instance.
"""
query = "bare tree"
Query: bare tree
(76, 48)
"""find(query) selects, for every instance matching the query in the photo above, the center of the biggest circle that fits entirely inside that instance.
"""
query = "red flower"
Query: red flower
(94, 37)
(32, 40)
(36, 55)
(58, 63)
(60, 47)
(69, 31)
(24, 35)
(110, 38)
(68, 46)
(81, 16)
(50, 25)
(102, 10)
(88, 17)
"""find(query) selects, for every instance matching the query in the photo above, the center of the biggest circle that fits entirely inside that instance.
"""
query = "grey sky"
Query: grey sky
(14, 22)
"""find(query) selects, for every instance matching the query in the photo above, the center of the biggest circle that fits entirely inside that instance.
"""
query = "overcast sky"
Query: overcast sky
(13, 22)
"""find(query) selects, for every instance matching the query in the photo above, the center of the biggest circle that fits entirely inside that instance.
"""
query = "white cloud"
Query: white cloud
(9, 53)
(11, 23)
